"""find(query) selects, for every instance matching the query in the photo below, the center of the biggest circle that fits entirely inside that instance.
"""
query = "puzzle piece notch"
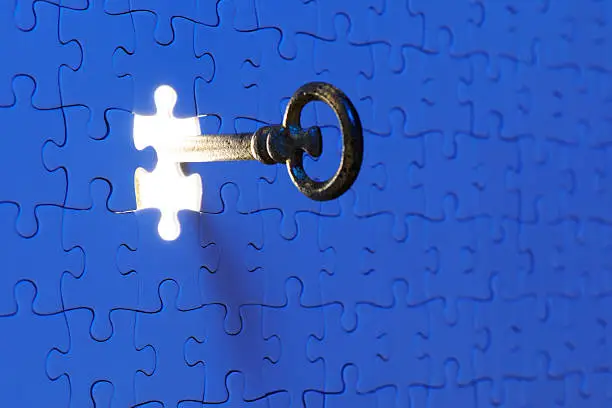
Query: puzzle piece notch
(102, 394)
(166, 187)
(29, 337)
(23, 162)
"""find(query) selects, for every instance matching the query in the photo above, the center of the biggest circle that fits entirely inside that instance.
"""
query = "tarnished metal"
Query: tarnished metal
(287, 143)
(352, 141)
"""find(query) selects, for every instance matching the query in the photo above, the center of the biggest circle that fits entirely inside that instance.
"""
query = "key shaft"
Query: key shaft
(269, 145)
(212, 148)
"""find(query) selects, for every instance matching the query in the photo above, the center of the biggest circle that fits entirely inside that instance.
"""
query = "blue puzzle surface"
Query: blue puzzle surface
(470, 265)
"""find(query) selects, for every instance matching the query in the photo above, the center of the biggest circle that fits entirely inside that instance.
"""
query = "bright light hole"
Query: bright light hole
(166, 187)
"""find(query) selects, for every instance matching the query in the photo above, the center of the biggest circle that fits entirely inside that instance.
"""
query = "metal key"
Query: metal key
(169, 189)
(287, 143)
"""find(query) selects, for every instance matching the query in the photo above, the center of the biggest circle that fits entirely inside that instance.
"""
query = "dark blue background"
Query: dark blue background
(469, 265)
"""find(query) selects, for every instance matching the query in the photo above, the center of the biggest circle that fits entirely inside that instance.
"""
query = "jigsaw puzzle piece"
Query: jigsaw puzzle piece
(293, 324)
(37, 52)
(385, 253)
(510, 29)
(235, 389)
(435, 185)
(582, 250)
(271, 91)
(230, 281)
(113, 158)
(506, 351)
(575, 89)
(212, 91)
(166, 13)
(497, 252)
(176, 65)
(525, 109)
(341, 59)
(539, 182)
(102, 394)
(579, 324)
(580, 34)
(284, 18)
(88, 361)
(281, 259)
(339, 348)
(439, 92)
(453, 241)
(95, 84)
(170, 364)
(544, 276)
(438, 350)
(348, 279)
(45, 269)
(390, 160)
(398, 358)
(398, 28)
(27, 339)
(155, 259)
(25, 130)
(493, 160)
(222, 353)
(101, 287)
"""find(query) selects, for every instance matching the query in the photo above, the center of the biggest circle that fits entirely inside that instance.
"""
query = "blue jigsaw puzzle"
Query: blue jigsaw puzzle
(470, 265)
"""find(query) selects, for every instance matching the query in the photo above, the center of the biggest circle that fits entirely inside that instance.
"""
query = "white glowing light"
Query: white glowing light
(166, 187)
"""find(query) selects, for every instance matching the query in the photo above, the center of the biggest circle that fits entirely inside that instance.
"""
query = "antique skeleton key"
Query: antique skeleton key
(178, 141)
